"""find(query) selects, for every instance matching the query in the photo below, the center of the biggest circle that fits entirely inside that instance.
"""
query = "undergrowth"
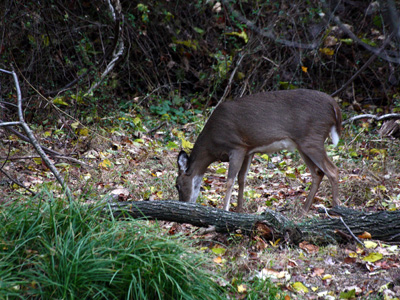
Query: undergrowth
(49, 250)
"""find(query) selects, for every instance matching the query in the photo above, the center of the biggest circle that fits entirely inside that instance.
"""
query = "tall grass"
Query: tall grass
(49, 250)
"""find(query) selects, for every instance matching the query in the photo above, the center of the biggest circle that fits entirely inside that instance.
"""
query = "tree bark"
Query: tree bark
(341, 228)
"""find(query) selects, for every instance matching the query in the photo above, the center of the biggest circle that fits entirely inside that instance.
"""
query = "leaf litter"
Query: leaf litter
(145, 170)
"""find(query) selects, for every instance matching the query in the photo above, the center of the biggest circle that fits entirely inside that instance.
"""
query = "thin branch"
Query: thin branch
(9, 123)
(26, 139)
(18, 183)
(346, 30)
(118, 18)
(267, 34)
(53, 156)
(228, 86)
(369, 61)
(370, 116)
(34, 141)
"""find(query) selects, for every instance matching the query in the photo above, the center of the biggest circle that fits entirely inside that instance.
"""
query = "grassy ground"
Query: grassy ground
(54, 246)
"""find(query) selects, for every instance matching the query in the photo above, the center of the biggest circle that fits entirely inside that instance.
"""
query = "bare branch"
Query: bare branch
(17, 182)
(33, 140)
(267, 34)
(9, 123)
(117, 52)
(370, 116)
(345, 29)
(369, 61)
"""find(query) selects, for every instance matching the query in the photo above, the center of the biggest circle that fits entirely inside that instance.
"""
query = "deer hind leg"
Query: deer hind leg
(320, 165)
(317, 175)
(235, 163)
(242, 178)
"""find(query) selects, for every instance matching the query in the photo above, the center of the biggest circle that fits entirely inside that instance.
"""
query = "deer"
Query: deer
(265, 122)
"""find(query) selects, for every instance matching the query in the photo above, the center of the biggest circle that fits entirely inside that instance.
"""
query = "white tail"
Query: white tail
(264, 123)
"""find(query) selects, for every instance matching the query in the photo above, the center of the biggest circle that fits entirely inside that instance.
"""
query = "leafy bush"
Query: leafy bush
(52, 251)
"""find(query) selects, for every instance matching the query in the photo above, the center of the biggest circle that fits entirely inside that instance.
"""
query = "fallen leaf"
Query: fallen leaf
(309, 248)
(241, 288)
(218, 250)
(299, 287)
(365, 235)
(272, 274)
(105, 164)
(327, 51)
(373, 257)
(317, 272)
(348, 295)
(370, 244)
(218, 260)
(327, 276)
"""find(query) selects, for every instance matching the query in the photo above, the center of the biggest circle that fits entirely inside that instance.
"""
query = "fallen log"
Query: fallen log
(337, 225)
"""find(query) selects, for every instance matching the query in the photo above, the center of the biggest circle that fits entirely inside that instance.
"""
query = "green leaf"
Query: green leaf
(348, 295)
(221, 171)
(347, 41)
(218, 250)
(172, 145)
(198, 30)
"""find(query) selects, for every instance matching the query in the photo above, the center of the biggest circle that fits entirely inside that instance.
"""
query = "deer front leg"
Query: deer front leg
(242, 179)
(235, 163)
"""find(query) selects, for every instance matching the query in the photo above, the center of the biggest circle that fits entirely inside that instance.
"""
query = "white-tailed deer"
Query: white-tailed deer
(264, 123)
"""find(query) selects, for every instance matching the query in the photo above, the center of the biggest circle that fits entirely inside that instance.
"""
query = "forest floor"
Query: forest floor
(145, 169)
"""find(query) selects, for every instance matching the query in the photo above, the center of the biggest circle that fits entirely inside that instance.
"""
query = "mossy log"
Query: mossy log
(337, 225)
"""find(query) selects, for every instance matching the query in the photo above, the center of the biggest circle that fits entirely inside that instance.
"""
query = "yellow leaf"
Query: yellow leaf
(327, 51)
(299, 287)
(241, 34)
(84, 132)
(47, 133)
(87, 176)
(304, 69)
(60, 101)
(327, 276)
(45, 40)
(370, 245)
(37, 160)
(373, 257)
(105, 164)
(353, 255)
(275, 244)
(186, 144)
(189, 43)
(75, 125)
(241, 288)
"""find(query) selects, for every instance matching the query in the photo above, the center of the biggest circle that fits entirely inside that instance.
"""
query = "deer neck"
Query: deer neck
(200, 159)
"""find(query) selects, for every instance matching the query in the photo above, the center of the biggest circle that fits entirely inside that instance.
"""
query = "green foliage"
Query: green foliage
(53, 251)
(173, 110)
(263, 289)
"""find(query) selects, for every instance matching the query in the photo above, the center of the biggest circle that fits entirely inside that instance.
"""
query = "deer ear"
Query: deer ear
(183, 161)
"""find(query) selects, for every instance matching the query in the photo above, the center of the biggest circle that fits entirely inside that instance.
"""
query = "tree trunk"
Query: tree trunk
(342, 224)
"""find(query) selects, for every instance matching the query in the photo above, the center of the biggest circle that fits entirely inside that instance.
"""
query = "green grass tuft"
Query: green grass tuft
(49, 250)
